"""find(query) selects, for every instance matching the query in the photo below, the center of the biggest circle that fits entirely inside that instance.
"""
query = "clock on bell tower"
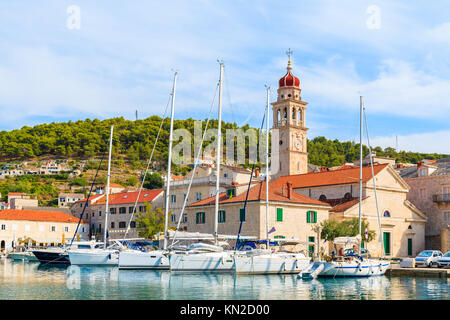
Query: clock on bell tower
(289, 120)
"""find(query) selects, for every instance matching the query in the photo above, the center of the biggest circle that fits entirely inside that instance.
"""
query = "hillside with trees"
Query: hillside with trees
(133, 141)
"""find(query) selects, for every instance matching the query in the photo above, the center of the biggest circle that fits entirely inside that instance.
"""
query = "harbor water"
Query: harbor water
(30, 280)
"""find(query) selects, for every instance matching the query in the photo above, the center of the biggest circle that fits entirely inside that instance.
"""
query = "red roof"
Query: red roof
(340, 176)
(346, 205)
(258, 193)
(36, 215)
(130, 197)
(95, 196)
(177, 177)
(15, 193)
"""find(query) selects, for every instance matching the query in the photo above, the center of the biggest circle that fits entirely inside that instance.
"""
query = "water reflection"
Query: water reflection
(25, 280)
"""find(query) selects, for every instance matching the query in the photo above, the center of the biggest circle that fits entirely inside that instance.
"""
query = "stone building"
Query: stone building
(429, 181)
(43, 228)
(332, 194)
(65, 200)
(121, 208)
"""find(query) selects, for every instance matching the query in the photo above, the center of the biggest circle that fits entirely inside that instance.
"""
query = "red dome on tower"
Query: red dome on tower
(289, 80)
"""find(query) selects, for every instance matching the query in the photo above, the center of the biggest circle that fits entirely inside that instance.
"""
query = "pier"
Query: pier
(395, 270)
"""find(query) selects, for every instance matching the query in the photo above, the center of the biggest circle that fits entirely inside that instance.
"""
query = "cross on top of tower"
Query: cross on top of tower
(288, 53)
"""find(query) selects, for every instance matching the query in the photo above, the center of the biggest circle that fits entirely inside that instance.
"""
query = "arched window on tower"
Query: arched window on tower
(293, 114)
(322, 197)
(278, 115)
(299, 116)
(285, 113)
(348, 195)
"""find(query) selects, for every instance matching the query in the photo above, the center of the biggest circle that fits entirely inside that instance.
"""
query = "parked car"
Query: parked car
(444, 261)
(428, 258)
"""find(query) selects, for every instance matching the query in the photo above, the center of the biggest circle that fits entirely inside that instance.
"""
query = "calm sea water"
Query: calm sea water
(30, 280)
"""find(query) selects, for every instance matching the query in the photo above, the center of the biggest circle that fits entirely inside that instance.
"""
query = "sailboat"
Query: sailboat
(99, 255)
(351, 265)
(157, 259)
(264, 261)
(204, 257)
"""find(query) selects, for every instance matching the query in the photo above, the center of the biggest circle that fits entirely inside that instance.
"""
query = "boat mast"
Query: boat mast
(105, 232)
(218, 155)
(360, 160)
(267, 168)
(169, 162)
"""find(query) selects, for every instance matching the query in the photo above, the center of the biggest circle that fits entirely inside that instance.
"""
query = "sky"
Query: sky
(68, 60)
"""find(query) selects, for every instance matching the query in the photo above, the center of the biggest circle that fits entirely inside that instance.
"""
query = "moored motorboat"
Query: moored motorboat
(23, 256)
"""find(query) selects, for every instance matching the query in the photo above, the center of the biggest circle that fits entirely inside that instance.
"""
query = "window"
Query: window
(231, 192)
(130, 209)
(279, 214)
(3, 227)
(112, 225)
(200, 218)
(173, 198)
(112, 210)
(142, 209)
(93, 213)
(323, 197)
(311, 217)
(99, 213)
(422, 193)
(198, 196)
(447, 216)
(386, 214)
(172, 218)
(99, 228)
(122, 224)
(122, 210)
(242, 214)
(66, 229)
(185, 218)
(410, 247)
(423, 172)
(53, 228)
(348, 195)
(133, 224)
(222, 216)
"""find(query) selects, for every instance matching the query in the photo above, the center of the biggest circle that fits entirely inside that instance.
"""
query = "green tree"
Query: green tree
(153, 181)
(332, 229)
(150, 222)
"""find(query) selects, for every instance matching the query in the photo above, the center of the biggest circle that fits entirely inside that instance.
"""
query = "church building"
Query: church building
(300, 200)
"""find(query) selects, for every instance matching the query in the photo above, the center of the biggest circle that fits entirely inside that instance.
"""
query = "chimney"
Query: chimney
(282, 190)
(256, 172)
(289, 190)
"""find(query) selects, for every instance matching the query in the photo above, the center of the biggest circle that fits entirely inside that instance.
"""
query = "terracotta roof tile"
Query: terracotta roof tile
(130, 197)
(258, 193)
(341, 207)
(37, 215)
(341, 176)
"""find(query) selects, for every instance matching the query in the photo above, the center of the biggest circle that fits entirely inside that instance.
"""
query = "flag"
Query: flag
(367, 234)
(326, 238)
(272, 230)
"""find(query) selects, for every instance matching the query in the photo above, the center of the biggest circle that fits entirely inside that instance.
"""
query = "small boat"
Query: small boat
(22, 256)
(95, 256)
(59, 255)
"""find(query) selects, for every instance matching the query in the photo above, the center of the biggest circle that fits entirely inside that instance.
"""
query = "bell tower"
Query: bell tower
(289, 119)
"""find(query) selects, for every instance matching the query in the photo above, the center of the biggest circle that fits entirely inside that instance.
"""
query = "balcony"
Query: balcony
(441, 197)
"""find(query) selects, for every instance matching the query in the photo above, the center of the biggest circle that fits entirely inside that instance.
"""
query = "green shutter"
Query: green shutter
(315, 217)
(308, 218)
(197, 217)
(242, 214)
(279, 214)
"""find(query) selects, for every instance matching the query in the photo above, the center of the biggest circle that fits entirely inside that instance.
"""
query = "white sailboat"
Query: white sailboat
(201, 257)
(104, 256)
(264, 261)
(157, 259)
(351, 265)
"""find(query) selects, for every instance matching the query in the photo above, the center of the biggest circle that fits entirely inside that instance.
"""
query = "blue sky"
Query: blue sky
(121, 59)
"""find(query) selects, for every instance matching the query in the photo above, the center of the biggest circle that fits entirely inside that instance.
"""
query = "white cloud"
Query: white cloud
(428, 142)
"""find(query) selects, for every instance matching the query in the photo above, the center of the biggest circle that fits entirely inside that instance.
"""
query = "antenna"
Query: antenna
(136, 114)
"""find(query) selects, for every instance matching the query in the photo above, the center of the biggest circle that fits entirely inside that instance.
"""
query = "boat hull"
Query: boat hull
(202, 262)
(55, 257)
(270, 264)
(22, 256)
(97, 258)
(353, 269)
(143, 260)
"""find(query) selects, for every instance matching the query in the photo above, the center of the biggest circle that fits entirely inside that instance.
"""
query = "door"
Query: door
(311, 247)
(410, 247)
(387, 243)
